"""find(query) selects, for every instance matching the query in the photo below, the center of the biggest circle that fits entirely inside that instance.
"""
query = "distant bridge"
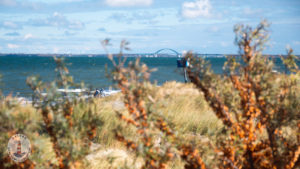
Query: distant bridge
(179, 61)
(167, 49)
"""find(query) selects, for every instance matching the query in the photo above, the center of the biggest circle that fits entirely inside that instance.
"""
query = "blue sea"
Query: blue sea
(91, 70)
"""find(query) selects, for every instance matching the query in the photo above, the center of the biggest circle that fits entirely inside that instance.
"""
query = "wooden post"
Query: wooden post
(185, 76)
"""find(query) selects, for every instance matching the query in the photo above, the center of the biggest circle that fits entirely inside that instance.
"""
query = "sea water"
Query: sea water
(91, 70)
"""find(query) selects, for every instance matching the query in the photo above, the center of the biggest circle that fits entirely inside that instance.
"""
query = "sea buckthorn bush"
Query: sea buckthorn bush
(258, 107)
(69, 120)
(153, 138)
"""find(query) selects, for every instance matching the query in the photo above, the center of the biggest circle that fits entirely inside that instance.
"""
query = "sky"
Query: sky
(203, 26)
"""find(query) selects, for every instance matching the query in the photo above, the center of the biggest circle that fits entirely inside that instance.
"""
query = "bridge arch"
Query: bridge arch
(167, 49)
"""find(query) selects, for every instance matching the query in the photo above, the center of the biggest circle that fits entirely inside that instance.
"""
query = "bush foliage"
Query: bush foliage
(259, 108)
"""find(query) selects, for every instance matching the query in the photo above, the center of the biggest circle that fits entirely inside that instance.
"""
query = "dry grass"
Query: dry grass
(181, 104)
(184, 106)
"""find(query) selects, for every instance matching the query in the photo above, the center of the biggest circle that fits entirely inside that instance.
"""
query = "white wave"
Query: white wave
(71, 90)
(104, 92)
(24, 100)
(88, 94)
(110, 92)
(107, 92)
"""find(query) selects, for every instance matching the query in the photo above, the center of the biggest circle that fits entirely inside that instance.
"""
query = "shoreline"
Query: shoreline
(85, 95)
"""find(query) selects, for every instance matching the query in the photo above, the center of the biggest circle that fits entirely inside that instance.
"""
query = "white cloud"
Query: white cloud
(224, 44)
(250, 11)
(28, 36)
(141, 17)
(8, 2)
(57, 20)
(196, 9)
(74, 0)
(128, 3)
(17, 5)
(12, 46)
(10, 25)
(296, 42)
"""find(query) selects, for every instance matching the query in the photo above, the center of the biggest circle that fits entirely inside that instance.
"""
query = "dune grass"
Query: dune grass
(182, 104)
